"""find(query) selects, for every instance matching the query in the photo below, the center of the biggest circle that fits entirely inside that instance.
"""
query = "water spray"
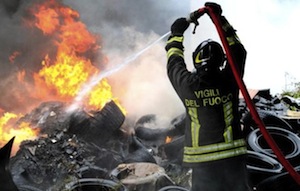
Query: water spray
(96, 79)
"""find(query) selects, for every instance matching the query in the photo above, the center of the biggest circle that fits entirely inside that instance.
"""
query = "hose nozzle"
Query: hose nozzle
(194, 16)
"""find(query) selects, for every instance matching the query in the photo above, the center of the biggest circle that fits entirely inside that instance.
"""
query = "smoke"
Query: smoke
(10, 6)
(125, 27)
(24, 44)
(144, 16)
(143, 86)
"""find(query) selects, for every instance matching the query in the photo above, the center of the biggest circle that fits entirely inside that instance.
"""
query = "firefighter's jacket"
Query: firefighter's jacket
(211, 101)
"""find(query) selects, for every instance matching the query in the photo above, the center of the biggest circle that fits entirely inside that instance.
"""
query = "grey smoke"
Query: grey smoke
(124, 26)
(10, 6)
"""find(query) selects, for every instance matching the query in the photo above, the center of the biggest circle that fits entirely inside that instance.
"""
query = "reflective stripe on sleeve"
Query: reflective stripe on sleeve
(233, 40)
(226, 26)
(175, 39)
(175, 51)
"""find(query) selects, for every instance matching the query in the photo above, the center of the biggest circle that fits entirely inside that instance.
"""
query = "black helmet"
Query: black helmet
(208, 56)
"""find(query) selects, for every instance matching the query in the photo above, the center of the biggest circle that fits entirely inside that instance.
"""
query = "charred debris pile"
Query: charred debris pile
(86, 151)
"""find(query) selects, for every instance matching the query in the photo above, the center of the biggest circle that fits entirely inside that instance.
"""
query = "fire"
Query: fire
(49, 19)
(66, 76)
(21, 132)
(62, 77)
(168, 139)
(64, 71)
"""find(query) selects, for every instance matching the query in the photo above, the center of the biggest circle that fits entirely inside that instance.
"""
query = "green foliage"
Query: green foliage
(295, 92)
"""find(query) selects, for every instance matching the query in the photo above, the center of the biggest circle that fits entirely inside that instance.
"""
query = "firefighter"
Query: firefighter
(214, 148)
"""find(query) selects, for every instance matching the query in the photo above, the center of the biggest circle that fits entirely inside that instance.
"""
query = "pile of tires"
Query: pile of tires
(266, 172)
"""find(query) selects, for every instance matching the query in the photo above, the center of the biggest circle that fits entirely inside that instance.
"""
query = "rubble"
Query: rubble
(78, 140)
(85, 148)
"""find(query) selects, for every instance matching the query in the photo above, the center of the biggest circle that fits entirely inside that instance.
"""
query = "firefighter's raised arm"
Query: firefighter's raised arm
(232, 38)
(230, 32)
(174, 44)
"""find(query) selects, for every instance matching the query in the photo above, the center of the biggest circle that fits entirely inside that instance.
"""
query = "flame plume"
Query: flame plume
(62, 73)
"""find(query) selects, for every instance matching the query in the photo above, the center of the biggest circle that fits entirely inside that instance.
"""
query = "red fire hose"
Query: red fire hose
(247, 98)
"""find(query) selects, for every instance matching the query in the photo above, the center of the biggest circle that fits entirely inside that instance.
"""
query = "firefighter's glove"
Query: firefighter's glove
(179, 26)
(216, 8)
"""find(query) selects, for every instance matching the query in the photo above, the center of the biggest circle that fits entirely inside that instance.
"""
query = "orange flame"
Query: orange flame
(63, 76)
(49, 22)
(168, 139)
(21, 132)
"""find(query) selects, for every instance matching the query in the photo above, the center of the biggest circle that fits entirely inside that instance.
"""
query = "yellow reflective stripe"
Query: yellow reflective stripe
(228, 117)
(226, 26)
(175, 51)
(175, 39)
(233, 40)
(228, 135)
(195, 125)
(214, 147)
(214, 156)
(228, 113)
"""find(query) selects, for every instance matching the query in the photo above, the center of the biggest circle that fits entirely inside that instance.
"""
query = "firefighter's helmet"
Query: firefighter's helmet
(208, 56)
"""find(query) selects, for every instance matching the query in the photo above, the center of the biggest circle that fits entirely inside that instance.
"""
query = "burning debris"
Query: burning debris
(86, 150)
(69, 143)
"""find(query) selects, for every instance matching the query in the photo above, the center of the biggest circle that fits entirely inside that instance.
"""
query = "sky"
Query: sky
(270, 33)
(268, 29)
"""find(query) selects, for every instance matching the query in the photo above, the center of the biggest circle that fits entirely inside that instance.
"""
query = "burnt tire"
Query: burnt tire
(174, 150)
(146, 128)
(28, 188)
(287, 141)
(280, 182)
(267, 117)
(138, 152)
(95, 184)
(173, 188)
(178, 125)
(92, 172)
(99, 126)
(261, 166)
(149, 118)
